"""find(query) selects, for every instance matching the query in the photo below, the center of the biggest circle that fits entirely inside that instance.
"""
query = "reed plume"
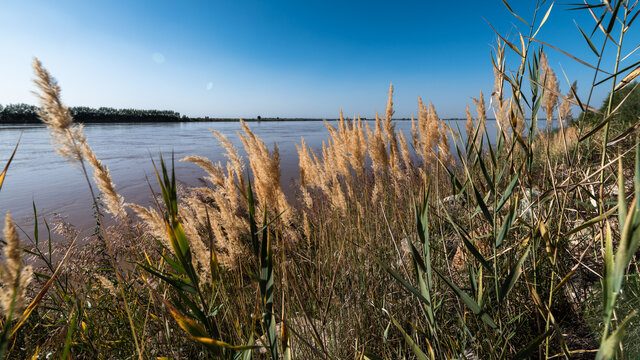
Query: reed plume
(429, 135)
(102, 178)
(481, 109)
(357, 145)
(308, 168)
(377, 146)
(498, 73)
(516, 118)
(564, 110)
(67, 137)
(153, 220)
(502, 106)
(390, 135)
(502, 115)
(470, 125)
(221, 208)
(404, 150)
(338, 144)
(214, 217)
(107, 284)
(69, 140)
(215, 174)
(265, 166)
(444, 152)
(15, 277)
(550, 87)
(233, 156)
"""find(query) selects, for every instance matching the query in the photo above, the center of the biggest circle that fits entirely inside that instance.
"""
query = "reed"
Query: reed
(15, 275)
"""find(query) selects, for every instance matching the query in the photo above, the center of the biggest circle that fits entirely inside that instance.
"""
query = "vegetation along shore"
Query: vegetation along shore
(15, 114)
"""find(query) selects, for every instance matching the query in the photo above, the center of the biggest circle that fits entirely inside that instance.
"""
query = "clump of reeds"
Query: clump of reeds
(265, 166)
(341, 168)
(216, 215)
(430, 140)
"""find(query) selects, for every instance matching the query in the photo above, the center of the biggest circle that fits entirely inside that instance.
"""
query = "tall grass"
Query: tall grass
(521, 245)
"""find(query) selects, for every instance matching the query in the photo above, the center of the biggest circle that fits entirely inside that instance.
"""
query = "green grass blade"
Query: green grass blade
(485, 173)
(467, 243)
(70, 330)
(592, 221)
(420, 355)
(614, 16)
(471, 304)
(607, 280)
(267, 288)
(506, 225)
(608, 348)
(544, 20)
(483, 205)
(507, 193)
(622, 202)
(35, 223)
(593, 48)
(532, 346)
(513, 276)
(252, 223)
(3, 174)
(403, 282)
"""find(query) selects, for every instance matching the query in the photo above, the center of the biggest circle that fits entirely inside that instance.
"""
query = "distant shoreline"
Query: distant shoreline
(24, 114)
(187, 120)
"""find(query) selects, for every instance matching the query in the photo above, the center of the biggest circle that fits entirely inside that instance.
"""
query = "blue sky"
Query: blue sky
(273, 58)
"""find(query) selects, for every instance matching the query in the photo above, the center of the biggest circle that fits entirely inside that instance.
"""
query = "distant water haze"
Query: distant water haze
(38, 174)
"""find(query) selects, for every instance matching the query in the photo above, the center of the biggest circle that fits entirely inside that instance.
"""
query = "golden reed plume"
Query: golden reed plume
(15, 276)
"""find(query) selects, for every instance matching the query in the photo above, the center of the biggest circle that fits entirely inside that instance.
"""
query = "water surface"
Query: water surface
(38, 174)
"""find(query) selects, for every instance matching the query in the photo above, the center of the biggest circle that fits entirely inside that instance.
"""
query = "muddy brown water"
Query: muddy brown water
(37, 174)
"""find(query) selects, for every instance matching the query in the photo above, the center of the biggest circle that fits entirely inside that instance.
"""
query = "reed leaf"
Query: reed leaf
(532, 346)
(608, 348)
(467, 300)
(420, 355)
(506, 225)
(3, 174)
(589, 42)
(513, 276)
(507, 192)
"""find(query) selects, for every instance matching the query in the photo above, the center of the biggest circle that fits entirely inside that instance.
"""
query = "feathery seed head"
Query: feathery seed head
(564, 110)
(470, 126)
(550, 86)
(15, 277)
(53, 112)
(67, 138)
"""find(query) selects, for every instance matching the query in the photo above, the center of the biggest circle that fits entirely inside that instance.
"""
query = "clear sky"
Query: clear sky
(273, 58)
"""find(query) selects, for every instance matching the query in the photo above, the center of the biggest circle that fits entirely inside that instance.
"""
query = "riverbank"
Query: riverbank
(20, 114)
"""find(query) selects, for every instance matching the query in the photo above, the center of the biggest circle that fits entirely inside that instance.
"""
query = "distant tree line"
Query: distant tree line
(628, 113)
(26, 114)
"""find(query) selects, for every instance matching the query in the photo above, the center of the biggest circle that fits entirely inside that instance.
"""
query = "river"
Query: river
(38, 174)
